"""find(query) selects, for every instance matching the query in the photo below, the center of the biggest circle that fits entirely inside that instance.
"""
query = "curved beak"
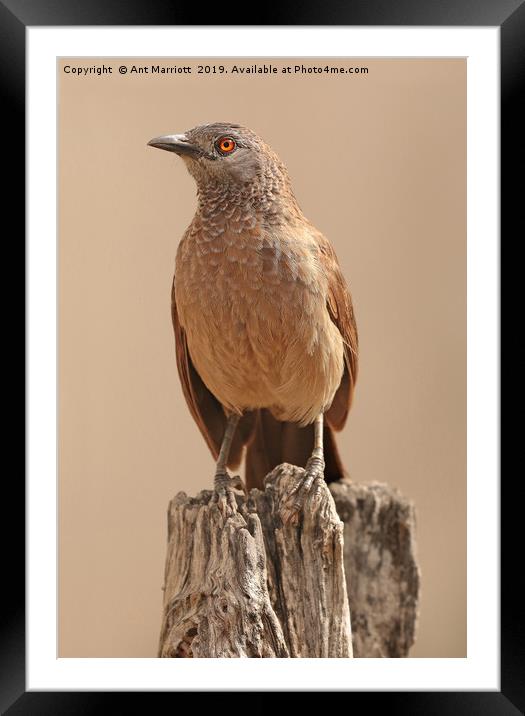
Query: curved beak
(178, 143)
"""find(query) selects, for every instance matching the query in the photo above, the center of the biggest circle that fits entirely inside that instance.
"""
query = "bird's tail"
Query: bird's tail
(274, 442)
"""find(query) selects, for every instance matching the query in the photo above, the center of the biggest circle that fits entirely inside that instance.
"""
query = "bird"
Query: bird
(266, 339)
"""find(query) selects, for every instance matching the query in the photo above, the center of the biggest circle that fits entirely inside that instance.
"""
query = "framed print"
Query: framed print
(397, 161)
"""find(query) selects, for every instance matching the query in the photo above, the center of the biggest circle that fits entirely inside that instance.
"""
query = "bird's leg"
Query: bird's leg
(313, 474)
(224, 483)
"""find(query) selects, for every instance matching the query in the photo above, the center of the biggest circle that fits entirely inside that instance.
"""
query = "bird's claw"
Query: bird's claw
(294, 502)
(224, 495)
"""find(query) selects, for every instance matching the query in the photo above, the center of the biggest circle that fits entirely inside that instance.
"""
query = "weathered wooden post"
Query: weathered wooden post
(250, 586)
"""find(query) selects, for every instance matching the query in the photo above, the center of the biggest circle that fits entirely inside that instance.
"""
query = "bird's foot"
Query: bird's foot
(294, 502)
(224, 495)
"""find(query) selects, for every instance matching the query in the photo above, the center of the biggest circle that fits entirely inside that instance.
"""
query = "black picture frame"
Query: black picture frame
(15, 17)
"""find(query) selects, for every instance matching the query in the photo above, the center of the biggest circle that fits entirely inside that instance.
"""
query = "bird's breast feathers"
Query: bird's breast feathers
(253, 305)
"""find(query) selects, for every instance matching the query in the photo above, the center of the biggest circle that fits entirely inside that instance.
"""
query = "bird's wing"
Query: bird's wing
(339, 304)
(206, 410)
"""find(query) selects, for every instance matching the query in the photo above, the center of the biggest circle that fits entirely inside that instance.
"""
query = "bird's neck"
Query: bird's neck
(271, 201)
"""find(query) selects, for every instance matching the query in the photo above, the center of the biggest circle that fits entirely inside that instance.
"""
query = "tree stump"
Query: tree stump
(382, 574)
(250, 586)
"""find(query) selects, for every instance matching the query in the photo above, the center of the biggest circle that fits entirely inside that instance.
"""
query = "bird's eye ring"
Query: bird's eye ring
(225, 145)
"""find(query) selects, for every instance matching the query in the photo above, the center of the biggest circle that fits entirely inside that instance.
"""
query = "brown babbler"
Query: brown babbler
(265, 334)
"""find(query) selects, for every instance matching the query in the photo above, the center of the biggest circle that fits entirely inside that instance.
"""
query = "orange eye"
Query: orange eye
(226, 145)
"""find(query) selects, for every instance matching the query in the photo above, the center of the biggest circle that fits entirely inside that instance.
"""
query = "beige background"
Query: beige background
(378, 163)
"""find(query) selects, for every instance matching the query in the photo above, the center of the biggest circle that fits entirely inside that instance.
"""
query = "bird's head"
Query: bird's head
(223, 153)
